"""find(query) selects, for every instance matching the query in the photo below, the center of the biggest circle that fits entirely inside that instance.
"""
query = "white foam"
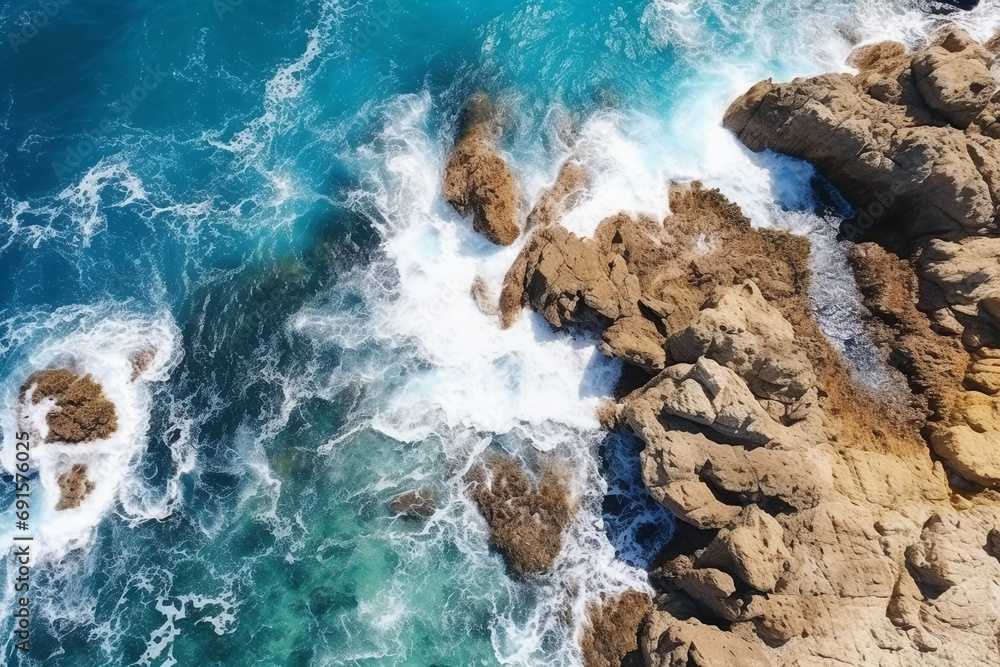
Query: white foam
(85, 200)
(102, 346)
(537, 389)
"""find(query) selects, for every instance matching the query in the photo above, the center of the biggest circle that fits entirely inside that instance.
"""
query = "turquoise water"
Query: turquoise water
(251, 190)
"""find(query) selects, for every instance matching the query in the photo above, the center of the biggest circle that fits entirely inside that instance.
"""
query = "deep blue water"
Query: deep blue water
(251, 190)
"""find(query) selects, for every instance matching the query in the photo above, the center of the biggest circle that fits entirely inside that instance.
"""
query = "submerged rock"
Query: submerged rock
(414, 504)
(81, 413)
(526, 518)
(555, 201)
(74, 487)
(478, 181)
(141, 360)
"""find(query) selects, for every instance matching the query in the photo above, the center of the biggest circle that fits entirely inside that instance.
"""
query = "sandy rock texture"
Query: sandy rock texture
(913, 141)
(820, 523)
(910, 140)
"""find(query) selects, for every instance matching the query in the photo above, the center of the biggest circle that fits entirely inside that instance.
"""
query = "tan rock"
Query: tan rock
(751, 548)
(637, 341)
(877, 136)
(484, 298)
(741, 331)
(564, 278)
(74, 487)
(478, 180)
(671, 642)
(972, 454)
(953, 77)
(555, 201)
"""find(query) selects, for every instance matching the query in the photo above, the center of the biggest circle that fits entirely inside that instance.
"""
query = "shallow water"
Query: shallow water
(253, 190)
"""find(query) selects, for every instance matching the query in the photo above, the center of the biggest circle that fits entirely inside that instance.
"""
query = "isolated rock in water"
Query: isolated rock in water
(74, 487)
(526, 519)
(611, 638)
(415, 504)
(891, 137)
(141, 361)
(555, 201)
(478, 180)
(481, 294)
(81, 412)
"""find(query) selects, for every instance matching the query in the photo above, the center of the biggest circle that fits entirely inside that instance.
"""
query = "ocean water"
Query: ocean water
(251, 190)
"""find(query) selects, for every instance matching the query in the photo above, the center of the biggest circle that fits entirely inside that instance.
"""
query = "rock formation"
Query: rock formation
(414, 504)
(611, 638)
(80, 411)
(526, 518)
(74, 487)
(141, 360)
(821, 523)
(478, 180)
(911, 140)
(825, 530)
(555, 201)
(821, 527)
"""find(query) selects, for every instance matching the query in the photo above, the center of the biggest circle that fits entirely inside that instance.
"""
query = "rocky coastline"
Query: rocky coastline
(820, 523)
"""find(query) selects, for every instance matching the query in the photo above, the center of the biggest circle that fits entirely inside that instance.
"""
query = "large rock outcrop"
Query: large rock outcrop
(814, 506)
(478, 181)
(821, 523)
(79, 413)
(913, 141)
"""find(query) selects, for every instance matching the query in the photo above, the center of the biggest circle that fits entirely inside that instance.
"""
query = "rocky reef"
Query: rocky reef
(415, 504)
(74, 487)
(526, 517)
(820, 522)
(80, 413)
